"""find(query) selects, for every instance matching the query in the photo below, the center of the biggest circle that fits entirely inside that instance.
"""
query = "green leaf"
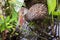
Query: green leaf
(2, 28)
(14, 16)
(14, 13)
(8, 18)
(51, 5)
(8, 27)
(56, 13)
(2, 17)
(1, 21)
(7, 24)
(11, 20)
(32, 23)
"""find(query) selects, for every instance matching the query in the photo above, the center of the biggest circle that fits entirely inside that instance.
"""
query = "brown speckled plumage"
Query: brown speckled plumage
(37, 11)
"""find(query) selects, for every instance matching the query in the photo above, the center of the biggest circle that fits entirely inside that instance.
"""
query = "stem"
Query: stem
(52, 24)
(52, 20)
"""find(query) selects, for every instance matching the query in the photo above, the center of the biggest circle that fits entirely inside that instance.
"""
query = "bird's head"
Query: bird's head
(22, 12)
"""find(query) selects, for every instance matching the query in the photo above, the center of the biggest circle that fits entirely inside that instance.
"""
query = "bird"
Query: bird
(34, 13)
(37, 13)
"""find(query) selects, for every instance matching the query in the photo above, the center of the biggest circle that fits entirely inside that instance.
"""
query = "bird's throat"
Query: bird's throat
(21, 20)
